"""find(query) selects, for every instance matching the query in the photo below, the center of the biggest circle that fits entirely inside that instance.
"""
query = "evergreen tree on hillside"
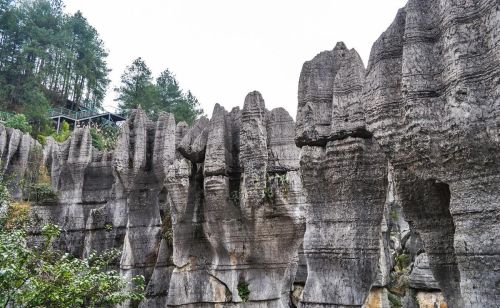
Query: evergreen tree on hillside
(48, 57)
(137, 89)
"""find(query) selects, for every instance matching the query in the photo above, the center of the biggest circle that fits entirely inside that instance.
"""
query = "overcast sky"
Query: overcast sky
(223, 49)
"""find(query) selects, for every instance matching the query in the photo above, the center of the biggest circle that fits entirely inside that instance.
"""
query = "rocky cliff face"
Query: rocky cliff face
(345, 178)
(384, 191)
(429, 103)
(209, 215)
(238, 212)
(432, 100)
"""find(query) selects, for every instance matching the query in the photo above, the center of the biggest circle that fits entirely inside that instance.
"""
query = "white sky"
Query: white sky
(223, 49)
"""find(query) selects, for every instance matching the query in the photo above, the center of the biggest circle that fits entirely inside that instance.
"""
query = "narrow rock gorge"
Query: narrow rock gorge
(384, 193)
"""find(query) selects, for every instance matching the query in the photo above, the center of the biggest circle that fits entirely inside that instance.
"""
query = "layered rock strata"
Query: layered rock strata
(215, 214)
(432, 100)
(212, 214)
(115, 200)
(345, 178)
(238, 214)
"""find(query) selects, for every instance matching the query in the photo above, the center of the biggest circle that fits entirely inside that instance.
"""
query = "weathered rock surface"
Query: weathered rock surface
(19, 155)
(421, 276)
(116, 200)
(396, 179)
(214, 214)
(430, 300)
(431, 101)
(345, 178)
(238, 215)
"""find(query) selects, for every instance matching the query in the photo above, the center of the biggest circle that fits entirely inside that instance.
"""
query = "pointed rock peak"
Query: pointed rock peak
(201, 122)
(342, 53)
(340, 45)
(254, 104)
(139, 112)
(218, 111)
(180, 131)
(166, 117)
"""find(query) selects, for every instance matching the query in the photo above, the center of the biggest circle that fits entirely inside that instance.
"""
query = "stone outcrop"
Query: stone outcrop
(345, 178)
(429, 103)
(106, 200)
(238, 214)
(19, 156)
(431, 100)
(385, 191)
(212, 214)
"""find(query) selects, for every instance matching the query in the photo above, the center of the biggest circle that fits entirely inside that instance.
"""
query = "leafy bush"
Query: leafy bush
(274, 184)
(4, 115)
(19, 121)
(42, 192)
(104, 137)
(402, 261)
(50, 278)
(394, 301)
(243, 291)
(42, 139)
(64, 132)
(234, 196)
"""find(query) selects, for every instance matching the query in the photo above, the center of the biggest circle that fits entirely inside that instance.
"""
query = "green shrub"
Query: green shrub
(394, 301)
(104, 137)
(45, 277)
(42, 192)
(108, 227)
(234, 196)
(64, 132)
(274, 184)
(268, 194)
(243, 291)
(19, 121)
(402, 261)
(4, 115)
(42, 139)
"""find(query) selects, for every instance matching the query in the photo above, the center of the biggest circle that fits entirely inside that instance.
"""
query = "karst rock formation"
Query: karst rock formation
(385, 192)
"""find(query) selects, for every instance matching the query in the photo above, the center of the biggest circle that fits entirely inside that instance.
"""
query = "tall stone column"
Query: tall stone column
(345, 178)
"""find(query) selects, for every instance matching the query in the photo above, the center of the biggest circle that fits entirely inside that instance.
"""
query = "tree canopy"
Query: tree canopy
(47, 57)
(165, 94)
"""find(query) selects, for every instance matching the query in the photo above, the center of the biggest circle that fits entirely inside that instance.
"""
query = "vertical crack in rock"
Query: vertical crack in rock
(345, 178)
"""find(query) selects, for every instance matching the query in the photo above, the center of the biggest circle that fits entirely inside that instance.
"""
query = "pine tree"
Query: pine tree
(165, 95)
(48, 57)
(137, 88)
